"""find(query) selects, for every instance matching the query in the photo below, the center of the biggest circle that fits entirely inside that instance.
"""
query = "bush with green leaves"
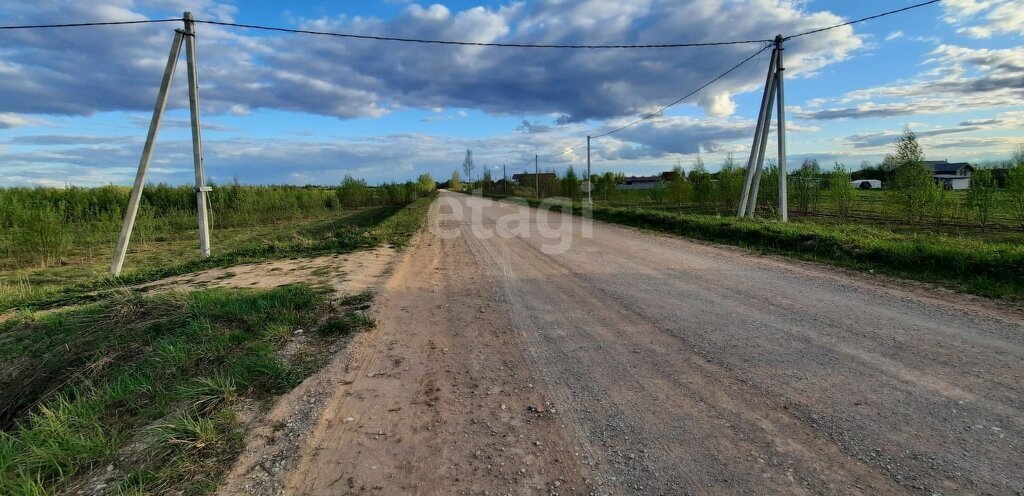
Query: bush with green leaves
(1015, 185)
(840, 192)
(982, 197)
(703, 185)
(729, 184)
(912, 187)
(805, 186)
(40, 225)
(680, 190)
(768, 192)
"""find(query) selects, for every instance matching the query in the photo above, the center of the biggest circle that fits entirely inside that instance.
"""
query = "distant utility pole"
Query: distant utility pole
(504, 178)
(752, 180)
(536, 173)
(590, 199)
(188, 35)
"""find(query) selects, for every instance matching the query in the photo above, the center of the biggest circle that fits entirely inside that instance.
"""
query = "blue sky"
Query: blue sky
(286, 108)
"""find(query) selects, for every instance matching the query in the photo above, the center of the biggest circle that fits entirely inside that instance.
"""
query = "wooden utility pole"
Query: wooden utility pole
(504, 178)
(536, 173)
(188, 35)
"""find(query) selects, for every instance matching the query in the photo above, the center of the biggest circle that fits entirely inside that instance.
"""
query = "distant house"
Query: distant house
(642, 182)
(952, 175)
(502, 185)
(530, 180)
(867, 184)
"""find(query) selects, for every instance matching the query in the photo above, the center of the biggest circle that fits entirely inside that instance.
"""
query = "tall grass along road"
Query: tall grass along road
(522, 353)
(56, 243)
(157, 390)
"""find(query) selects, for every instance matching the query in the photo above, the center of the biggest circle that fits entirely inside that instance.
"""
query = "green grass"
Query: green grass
(872, 207)
(336, 232)
(148, 384)
(347, 323)
(988, 268)
(51, 227)
(357, 299)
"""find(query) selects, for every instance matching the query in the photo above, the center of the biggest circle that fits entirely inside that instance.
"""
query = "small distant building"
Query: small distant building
(951, 175)
(867, 184)
(503, 185)
(642, 182)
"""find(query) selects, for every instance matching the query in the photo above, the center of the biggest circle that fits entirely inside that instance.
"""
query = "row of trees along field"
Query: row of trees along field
(40, 224)
(911, 194)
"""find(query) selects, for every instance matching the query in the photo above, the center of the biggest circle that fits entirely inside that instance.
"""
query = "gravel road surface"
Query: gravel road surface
(521, 352)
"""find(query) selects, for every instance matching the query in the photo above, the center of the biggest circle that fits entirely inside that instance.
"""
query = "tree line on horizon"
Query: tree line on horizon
(911, 193)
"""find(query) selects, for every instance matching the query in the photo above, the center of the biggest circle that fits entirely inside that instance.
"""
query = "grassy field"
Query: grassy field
(280, 222)
(993, 268)
(149, 385)
(138, 393)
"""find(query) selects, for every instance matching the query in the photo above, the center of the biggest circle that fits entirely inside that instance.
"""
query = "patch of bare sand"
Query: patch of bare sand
(347, 273)
(273, 439)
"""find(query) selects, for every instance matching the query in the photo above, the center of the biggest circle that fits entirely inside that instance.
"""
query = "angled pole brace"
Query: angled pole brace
(762, 115)
(147, 153)
(755, 185)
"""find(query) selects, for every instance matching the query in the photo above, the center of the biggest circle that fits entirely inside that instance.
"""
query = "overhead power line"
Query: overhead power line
(688, 95)
(666, 107)
(84, 24)
(472, 43)
(862, 19)
(566, 150)
(466, 43)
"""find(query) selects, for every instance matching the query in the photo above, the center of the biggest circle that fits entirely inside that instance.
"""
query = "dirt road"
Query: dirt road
(516, 357)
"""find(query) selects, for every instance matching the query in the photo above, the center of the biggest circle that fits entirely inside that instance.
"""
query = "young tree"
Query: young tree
(981, 198)
(487, 180)
(840, 191)
(455, 183)
(941, 204)
(679, 189)
(604, 185)
(1015, 185)
(353, 192)
(768, 197)
(730, 182)
(571, 184)
(887, 169)
(912, 186)
(805, 185)
(703, 189)
(467, 166)
(426, 183)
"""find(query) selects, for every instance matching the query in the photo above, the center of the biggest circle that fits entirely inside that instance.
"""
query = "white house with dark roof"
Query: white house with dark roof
(952, 175)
